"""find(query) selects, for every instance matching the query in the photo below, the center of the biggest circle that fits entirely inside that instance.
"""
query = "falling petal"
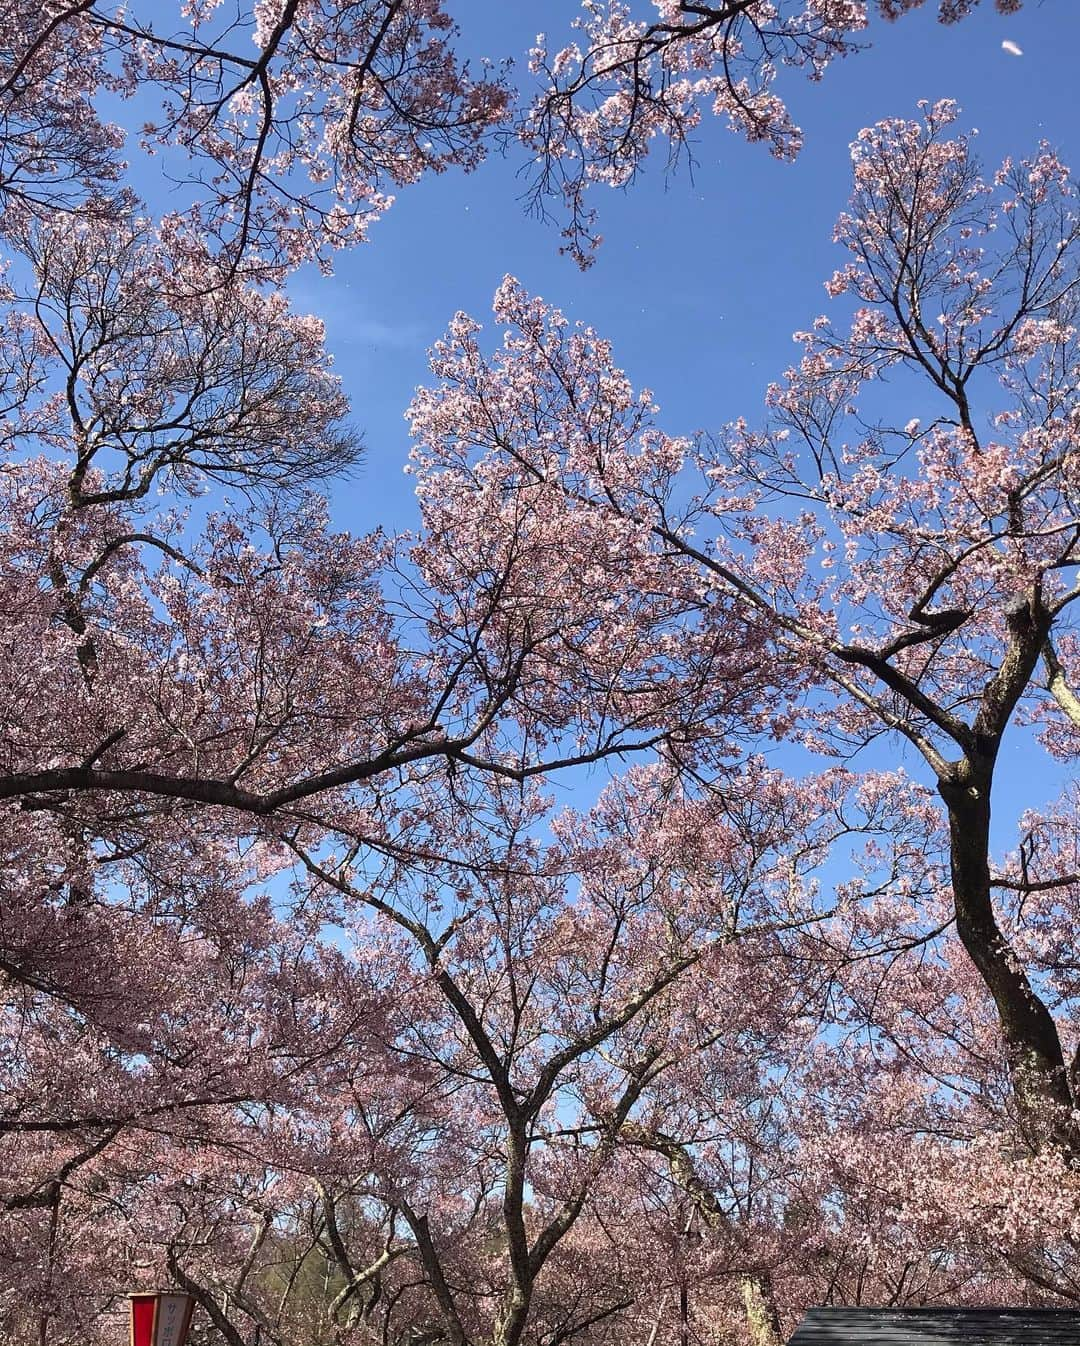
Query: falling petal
(1012, 48)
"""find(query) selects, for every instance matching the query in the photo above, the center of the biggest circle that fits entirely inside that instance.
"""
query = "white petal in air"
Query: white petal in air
(1012, 48)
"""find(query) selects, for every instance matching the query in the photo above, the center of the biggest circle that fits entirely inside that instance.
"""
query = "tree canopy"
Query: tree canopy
(317, 999)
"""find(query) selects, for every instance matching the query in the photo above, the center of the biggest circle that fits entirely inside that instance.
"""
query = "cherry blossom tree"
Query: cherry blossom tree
(630, 81)
(751, 1174)
(148, 1000)
(456, 1125)
(923, 575)
(186, 701)
(294, 123)
(563, 1005)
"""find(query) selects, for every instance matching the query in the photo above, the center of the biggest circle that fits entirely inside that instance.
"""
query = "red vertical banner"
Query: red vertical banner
(143, 1313)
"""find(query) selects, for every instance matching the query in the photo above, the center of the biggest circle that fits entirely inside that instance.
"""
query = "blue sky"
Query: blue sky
(699, 283)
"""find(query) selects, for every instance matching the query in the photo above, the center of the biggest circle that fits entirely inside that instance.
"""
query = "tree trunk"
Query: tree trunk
(1033, 1049)
(762, 1319)
(514, 1313)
